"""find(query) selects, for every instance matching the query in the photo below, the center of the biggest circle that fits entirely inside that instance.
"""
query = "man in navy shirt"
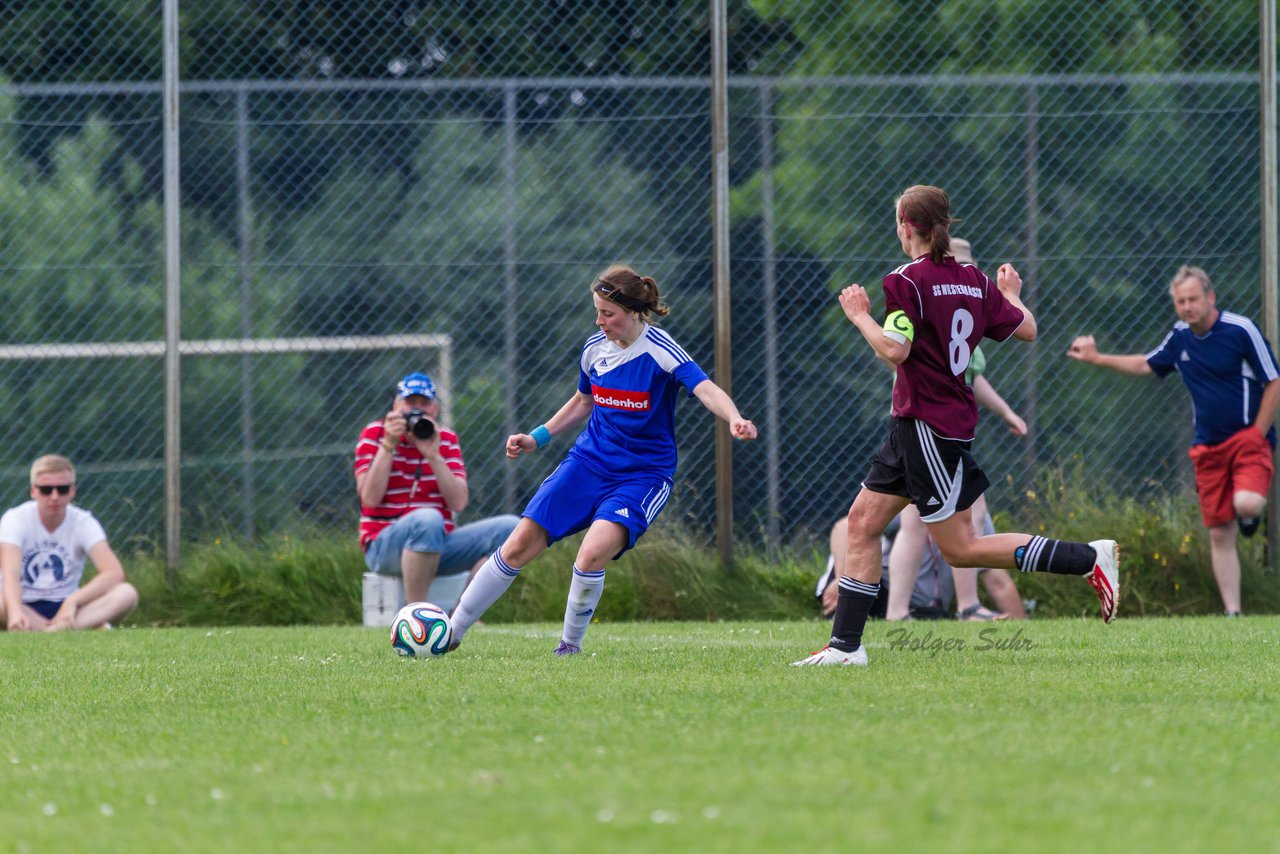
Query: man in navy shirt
(1231, 372)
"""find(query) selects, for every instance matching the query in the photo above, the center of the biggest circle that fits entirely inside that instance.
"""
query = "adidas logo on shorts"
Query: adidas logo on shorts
(623, 513)
(932, 502)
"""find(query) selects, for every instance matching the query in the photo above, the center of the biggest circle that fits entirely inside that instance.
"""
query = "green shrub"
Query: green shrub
(313, 576)
(289, 579)
(1164, 550)
(670, 576)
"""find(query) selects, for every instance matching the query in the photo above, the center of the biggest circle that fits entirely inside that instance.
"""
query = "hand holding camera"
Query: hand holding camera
(418, 424)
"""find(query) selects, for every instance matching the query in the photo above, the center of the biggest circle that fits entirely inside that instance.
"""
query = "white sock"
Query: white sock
(487, 587)
(584, 595)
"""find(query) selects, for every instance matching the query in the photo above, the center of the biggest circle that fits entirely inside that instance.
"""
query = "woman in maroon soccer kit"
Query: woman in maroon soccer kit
(937, 312)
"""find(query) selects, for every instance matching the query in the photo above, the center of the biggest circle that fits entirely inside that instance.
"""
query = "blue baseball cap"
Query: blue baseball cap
(416, 384)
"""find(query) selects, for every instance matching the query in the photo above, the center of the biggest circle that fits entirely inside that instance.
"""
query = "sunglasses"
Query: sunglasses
(63, 489)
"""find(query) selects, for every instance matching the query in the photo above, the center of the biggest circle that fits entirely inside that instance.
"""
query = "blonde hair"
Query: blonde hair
(1186, 271)
(52, 464)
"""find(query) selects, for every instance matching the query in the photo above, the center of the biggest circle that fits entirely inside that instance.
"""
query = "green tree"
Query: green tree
(80, 267)
(386, 256)
(1130, 175)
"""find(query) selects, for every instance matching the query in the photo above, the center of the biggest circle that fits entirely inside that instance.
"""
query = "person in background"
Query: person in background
(43, 547)
(1230, 370)
(933, 581)
(412, 483)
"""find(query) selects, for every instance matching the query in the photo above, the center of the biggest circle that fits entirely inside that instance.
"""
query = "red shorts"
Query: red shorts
(1242, 462)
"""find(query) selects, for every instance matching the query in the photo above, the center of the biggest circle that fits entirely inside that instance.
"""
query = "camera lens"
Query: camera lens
(419, 424)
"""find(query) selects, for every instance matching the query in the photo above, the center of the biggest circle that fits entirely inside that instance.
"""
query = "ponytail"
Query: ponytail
(940, 241)
(928, 211)
(653, 300)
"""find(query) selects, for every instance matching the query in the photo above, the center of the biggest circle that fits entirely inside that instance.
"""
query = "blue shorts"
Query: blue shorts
(46, 608)
(575, 495)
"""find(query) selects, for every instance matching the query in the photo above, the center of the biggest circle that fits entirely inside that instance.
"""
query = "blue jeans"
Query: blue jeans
(423, 531)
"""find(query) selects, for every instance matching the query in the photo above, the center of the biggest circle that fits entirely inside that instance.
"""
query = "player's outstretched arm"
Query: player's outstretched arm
(714, 398)
(987, 396)
(575, 410)
(1085, 349)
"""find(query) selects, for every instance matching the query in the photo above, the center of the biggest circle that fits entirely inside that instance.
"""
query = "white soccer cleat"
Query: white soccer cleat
(1105, 577)
(829, 655)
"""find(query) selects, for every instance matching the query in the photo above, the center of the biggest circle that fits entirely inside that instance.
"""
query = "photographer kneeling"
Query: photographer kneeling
(412, 482)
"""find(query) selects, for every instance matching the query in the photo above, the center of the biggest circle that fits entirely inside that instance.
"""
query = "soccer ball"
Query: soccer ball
(421, 630)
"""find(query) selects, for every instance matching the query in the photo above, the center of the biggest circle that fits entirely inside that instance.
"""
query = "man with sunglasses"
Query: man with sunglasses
(43, 546)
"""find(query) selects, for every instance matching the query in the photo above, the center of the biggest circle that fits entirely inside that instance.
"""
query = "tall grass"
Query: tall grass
(1164, 549)
(312, 576)
(289, 579)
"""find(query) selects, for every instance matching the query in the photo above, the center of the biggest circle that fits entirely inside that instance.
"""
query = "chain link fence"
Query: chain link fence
(370, 189)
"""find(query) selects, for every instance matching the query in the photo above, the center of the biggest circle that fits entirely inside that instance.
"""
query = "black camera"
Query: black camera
(419, 424)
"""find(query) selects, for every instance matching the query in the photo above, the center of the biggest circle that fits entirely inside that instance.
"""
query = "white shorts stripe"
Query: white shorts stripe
(654, 506)
(951, 499)
(937, 471)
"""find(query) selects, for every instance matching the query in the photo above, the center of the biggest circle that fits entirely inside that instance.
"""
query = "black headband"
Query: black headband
(614, 294)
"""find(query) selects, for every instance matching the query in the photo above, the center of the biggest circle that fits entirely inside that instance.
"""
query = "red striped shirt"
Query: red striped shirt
(411, 485)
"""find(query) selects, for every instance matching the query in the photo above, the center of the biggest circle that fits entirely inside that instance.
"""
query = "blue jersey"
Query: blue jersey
(1225, 370)
(632, 425)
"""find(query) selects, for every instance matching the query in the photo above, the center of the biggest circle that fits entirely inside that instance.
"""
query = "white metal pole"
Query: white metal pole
(1267, 81)
(773, 460)
(510, 293)
(172, 292)
(244, 231)
(720, 268)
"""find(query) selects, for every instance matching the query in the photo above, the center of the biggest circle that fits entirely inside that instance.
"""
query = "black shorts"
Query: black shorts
(939, 476)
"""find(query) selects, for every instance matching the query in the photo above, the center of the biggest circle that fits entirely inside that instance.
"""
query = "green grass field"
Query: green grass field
(1052, 735)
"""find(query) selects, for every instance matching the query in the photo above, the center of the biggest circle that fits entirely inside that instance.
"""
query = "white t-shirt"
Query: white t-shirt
(52, 561)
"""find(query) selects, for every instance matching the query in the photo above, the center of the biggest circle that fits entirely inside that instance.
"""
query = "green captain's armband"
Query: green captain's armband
(898, 327)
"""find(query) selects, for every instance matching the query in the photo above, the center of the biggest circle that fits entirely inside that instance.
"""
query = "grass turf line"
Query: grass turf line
(690, 736)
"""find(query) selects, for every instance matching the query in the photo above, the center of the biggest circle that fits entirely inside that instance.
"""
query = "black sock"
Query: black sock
(1058, 556)
(853, 601)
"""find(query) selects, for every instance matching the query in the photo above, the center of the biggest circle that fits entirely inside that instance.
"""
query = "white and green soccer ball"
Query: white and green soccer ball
(421, 630)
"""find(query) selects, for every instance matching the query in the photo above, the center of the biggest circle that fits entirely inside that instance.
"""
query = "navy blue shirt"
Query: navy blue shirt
(1225, 370)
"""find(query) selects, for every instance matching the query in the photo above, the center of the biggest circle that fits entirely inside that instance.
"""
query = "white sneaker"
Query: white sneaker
(829, 655)
(1105, 578)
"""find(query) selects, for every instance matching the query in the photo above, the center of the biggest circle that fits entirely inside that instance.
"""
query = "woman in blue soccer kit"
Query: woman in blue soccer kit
(617, 477)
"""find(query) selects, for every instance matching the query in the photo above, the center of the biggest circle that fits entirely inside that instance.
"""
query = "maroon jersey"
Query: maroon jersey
(952, 307)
